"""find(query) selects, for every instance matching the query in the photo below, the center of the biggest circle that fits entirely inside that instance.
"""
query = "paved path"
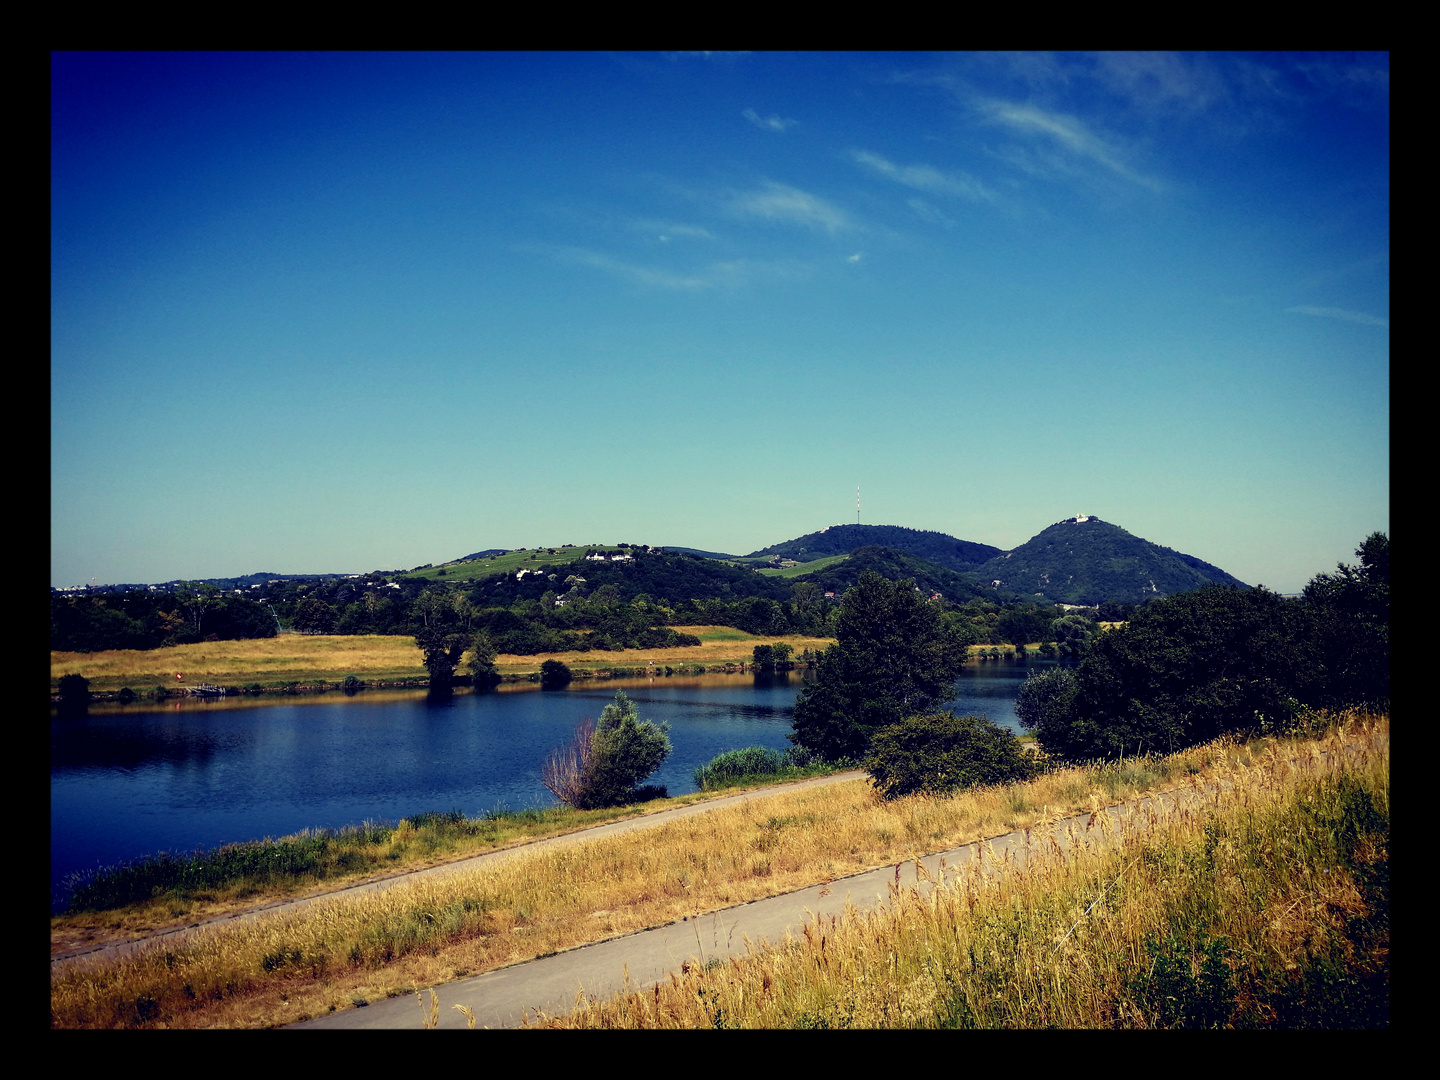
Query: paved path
(552, 984)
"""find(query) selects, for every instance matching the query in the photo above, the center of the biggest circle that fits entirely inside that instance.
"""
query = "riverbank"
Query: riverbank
(302, 663)
(431, 930)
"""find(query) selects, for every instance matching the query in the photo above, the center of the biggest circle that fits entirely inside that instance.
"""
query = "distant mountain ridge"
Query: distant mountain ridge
(893, 565)
(961, 556)
(1083, 560)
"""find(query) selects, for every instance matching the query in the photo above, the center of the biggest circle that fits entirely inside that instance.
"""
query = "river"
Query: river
(129, 781)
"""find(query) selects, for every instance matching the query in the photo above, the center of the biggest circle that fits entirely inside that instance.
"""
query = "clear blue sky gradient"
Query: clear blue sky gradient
(339, 313)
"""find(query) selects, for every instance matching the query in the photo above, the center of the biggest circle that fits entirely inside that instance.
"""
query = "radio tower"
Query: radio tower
(857, 504)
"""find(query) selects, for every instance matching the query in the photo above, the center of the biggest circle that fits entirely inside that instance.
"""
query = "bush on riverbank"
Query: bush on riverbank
(756, 764)
(938, 753)
(603, 764)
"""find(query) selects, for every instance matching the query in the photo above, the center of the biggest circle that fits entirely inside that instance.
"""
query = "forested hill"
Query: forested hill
(659, 575)
(1083, 560)
(936, 547)
(897, 566)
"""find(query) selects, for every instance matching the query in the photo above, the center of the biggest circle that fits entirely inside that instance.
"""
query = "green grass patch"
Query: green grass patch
(800, 569)
(507, 563)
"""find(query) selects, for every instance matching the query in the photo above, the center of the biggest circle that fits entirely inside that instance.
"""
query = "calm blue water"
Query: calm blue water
(130, 781)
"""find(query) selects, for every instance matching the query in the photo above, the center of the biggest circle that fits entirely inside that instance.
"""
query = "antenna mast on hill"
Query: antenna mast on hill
(857, 504)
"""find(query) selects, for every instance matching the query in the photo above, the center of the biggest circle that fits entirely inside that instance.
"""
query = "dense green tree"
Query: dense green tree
(1352, 613)
(1072, 633)
(894, 657)
(196, 599)
(74, 694)
(941, 752)
(443, 651)
(443, 636)
(482, 661)
(1181, 671)
(1046, 699)
(555, 673)
(313, 616)
(1024, 624)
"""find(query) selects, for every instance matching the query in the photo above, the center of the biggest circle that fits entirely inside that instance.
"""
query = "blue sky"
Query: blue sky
(339, 313)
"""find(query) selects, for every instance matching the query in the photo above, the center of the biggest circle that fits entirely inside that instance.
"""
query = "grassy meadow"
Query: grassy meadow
(342, 952)
(804, 568)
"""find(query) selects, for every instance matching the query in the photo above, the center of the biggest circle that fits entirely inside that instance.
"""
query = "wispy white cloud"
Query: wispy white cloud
(926, 178)
(666, 231)
(1340, 313)
(632, 272)
(768, 123)
(1069, 133)
(1161, 81)
(779, 202)
(930, 215)
(715, 275)
(852, 259)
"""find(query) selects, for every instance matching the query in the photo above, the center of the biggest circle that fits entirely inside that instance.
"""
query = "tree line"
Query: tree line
(571, 607)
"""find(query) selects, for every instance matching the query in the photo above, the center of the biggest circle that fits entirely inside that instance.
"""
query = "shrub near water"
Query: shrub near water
(603, 764)
(940, 752)
(735, 767)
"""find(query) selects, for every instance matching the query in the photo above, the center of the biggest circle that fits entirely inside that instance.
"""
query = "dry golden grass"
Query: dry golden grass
(1217, 912)
(278, 659)
(282, 969)
(729, 647)
(305, 658)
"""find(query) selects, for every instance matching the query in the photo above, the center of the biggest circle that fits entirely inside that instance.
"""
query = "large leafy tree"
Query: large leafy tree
(1352, 613)
(443, 636)
(894, 657)
(1190, 667)
(1181, 671)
